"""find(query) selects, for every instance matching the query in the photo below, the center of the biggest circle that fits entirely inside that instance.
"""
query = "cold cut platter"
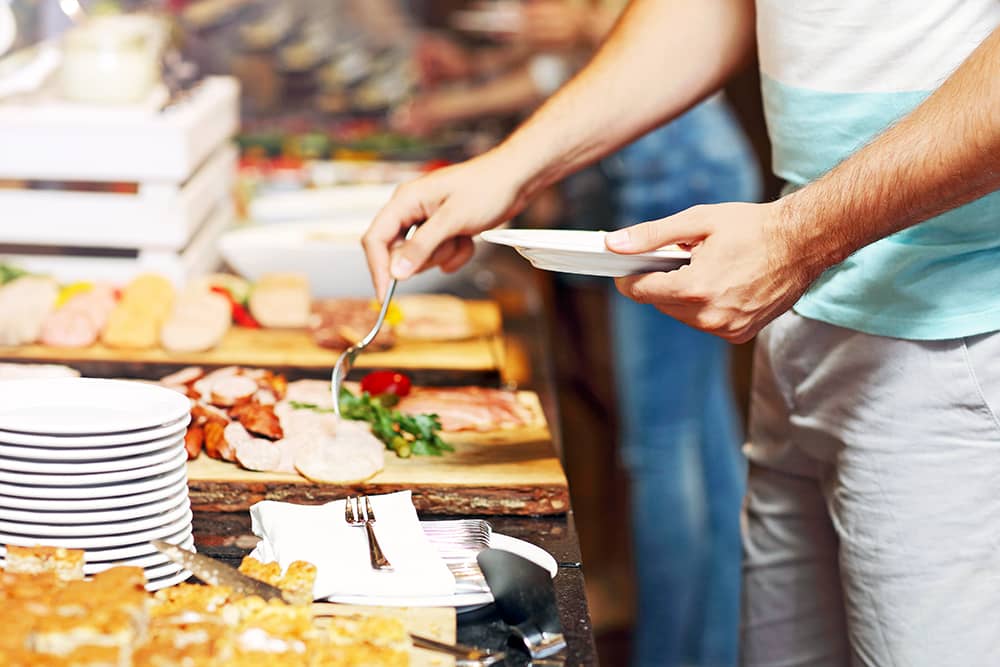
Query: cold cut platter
(148, 327)
(253, 435)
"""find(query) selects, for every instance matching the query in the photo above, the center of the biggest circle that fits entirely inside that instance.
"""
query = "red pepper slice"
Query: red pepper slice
(377, 383)
(241, 316)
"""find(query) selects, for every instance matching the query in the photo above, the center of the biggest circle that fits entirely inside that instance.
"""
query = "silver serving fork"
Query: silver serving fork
(356, 515)
(346, 359)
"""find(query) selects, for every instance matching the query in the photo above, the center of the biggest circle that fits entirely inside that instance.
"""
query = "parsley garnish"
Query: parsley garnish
(407, 435)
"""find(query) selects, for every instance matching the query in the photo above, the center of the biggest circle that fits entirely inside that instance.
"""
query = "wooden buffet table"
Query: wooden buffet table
(515, 481)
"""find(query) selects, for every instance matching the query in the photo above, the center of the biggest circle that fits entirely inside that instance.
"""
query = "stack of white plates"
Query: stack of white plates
(97, 465)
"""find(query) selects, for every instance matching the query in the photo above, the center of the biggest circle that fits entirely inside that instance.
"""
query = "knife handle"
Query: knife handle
(378, 559)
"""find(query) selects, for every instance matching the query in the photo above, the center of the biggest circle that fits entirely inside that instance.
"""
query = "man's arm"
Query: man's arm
(753, 261)
(661, 59)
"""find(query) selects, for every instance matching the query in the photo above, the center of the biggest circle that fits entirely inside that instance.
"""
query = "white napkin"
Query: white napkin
(319, 534)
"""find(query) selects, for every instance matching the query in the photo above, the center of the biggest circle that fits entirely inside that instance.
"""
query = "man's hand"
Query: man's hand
(748, 265)
(453, 204)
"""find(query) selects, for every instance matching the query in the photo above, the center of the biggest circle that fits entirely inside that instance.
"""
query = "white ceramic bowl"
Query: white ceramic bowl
(329, 253)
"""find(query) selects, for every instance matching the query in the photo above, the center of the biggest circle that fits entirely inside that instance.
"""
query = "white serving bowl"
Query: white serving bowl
(329, 253)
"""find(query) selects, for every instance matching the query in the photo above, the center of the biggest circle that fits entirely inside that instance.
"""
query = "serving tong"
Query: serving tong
(346, 359)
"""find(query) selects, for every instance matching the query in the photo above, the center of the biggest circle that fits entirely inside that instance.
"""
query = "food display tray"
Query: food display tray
(507, 472)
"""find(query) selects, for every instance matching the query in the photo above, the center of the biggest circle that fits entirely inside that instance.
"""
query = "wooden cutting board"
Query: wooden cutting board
(514, 471)
(280, 349)
(434, 622)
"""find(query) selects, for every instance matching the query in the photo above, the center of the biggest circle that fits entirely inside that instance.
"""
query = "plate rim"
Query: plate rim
(134, 424)
(497, 236)
(463, 602)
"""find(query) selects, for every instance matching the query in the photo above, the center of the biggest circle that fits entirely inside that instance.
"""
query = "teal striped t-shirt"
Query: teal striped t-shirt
(834, 75)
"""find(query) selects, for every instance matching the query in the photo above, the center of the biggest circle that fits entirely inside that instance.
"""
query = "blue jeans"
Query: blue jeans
(680, 431)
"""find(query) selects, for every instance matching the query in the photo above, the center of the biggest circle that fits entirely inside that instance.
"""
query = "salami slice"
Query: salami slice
(231, 390)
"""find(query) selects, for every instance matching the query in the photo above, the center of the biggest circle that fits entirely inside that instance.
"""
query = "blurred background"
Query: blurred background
(336, 102)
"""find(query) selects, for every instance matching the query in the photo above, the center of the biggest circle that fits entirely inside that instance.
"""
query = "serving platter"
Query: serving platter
(475, 360)
(508, 471)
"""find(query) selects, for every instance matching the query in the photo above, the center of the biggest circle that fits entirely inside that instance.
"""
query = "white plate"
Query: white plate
(102, 541)
(87, 406)
(120, 512)
(100, 491)
(180, 509)
(78, 505)
(66, 443)
(154, 560)
(88, 454)
(175, 459)
(463, 602)
(117, 552)
(583, 252)
(164, 582)
(112, 463)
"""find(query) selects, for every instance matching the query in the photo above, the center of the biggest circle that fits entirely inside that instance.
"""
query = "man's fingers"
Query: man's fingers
(663, 289)
(685, 227)
(412, 255)
(399, 213)
(463, 253)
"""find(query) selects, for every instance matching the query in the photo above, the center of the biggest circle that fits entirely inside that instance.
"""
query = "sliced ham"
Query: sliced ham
(314, 392)
(339, 323)
(468, 408)
(433, 317)
(24, 305)
(298, 421)
(79, 321)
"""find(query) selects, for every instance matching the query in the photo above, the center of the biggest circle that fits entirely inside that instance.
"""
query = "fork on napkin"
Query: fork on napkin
(319, 534)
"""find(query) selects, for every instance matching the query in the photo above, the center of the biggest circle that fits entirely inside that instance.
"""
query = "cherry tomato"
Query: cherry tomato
(377, 383)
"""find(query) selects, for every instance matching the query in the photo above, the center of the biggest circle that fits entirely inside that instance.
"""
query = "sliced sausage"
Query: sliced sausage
(258, 454)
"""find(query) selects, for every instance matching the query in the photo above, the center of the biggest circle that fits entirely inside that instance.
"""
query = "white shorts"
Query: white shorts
(871, 525)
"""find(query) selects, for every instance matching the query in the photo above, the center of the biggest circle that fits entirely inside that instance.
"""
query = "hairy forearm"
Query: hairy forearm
(662, 58)
(940, 156)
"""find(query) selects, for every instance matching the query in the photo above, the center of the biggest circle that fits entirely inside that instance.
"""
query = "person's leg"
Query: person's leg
(658, 383)
(793, 614)
(912, 492)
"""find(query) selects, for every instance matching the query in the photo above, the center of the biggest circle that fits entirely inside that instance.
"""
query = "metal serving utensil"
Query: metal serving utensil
(346, 359)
